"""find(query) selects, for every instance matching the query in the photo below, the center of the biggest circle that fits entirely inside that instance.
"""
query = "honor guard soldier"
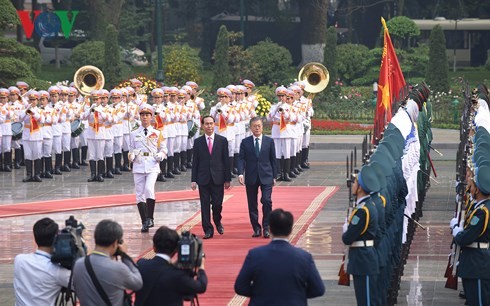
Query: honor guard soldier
(76, 109)
(139, 91)
(233, 127)
(65, 120)
(295, 168)
(49, 114)
(129, 121)
(242, 117)
(117, 127)
(251, 101)
(147, 150)
(283, 119)
(54, 92)
(160, 119)
(18, 107)
(185, 115)
(359, 233)
(307, 110)
(96, 136)
(32, 138)
(6, 116)
(195, 104)
(109, 140)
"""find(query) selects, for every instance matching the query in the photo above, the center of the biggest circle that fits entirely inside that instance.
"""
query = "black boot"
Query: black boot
(183, 161)
(7, 161)
(232, 161)
(76, 158)
(161, 175)
(170, 166)
(117, 168)
(48, 167)
(235, 169)
(1, 161)
(66, 162)
(57, 164)
(83, 162)
(38, 167)
(176, 169)
(22, 163)
(125, 166)
(295, 165)
(189, 159)
(299, 158)
(100, 170)
(285, 174)
(17, 158)
(291, 172)
(143, 216)
(42, 175)
(304, 158)
(109, 167)
(28, 177)
(280, 169)
(93, 171)
(150, 206)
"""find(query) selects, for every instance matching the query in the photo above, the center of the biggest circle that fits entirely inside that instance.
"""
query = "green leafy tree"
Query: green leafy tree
(112, 67)
(12, 69)
(438, 68)
(181, 63)
(242, 65)
(330, 54)
(134, 24)
(88, 53)
(103, 13)
(221, 68)
(352, 61)
(402, 29)
(8, 15)
(274, 62)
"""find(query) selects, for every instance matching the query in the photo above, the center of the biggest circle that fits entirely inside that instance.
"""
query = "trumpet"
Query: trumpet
(194, 97)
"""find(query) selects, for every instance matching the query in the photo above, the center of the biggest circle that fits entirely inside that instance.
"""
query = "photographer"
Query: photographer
(112, 275)
(37, 281)
(165, 284)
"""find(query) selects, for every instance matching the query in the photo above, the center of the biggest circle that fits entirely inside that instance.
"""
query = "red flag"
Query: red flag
(282, 123)
(390, 84)
(221, 123)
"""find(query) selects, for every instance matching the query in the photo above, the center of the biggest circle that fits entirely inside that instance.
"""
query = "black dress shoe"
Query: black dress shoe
(207, 236)
(221, 229)
(144, 227)
(150, 222)
(267, 234)
(256, 233)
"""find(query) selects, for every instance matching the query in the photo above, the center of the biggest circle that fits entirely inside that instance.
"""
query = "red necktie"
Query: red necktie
(210, 145)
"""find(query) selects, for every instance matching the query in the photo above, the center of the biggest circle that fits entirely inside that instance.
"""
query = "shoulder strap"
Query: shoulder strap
(98, 286)
(367, 219)
(485, 225)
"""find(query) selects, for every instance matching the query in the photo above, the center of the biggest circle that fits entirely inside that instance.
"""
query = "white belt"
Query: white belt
(145, 154)
(478, 245)
(362, 244)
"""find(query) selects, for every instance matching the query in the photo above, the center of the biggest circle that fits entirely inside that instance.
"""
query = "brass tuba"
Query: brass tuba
(88, 78)
(315, 76)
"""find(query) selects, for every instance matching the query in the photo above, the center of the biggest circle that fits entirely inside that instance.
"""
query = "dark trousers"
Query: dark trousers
(266, 200)
(365, 288)
(477, 291)
(211, 194)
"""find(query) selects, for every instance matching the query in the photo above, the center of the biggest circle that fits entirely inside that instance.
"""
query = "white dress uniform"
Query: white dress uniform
(6, 131)
(282, 139)
(49, 115)
(229, 119)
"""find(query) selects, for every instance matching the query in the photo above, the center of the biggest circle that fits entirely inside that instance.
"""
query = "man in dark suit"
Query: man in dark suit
(163, 283)
(279, 273)
(258, 158)
(211, 171)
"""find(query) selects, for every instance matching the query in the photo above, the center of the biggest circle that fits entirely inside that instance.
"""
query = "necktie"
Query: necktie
(210, 145)
(146, 132)
(257, 148)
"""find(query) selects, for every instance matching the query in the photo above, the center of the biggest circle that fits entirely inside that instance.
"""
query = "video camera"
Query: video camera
(69, 244)
(189, 252)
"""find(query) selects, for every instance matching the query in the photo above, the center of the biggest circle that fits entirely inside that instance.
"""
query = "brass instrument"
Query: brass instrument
(315, 76)
(88, 78)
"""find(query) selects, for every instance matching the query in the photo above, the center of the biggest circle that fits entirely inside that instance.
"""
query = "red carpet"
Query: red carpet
(225, 254)
(44, 207)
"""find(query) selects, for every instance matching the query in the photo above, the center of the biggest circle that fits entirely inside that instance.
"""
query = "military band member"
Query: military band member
(147, 150)
(23, 88)
(54, 92)
(76, 109)
(6, 130)
(141, 97)
(171, 131)
(128, 121)
(199, 102)
(109, 140)
(117, 128)
(184, 114)
(32, 138)
(50, 115)
(65, 120)
(251, 101)
(18, 107)
(297, 130)
(160, 119)
(95, 135)
(233, 128)
(359, 233)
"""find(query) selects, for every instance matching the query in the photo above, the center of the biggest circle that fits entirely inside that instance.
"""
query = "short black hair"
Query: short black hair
(107, 232)
(165, 240)
(281, 222)
(44, 232)
(208, 116)
(256, 118)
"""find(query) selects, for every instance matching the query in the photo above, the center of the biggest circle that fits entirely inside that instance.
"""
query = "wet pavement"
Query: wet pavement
(422, 283)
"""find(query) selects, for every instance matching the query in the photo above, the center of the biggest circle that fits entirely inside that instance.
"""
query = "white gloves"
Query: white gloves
(456, 230)
(454, 221)
(345, 227)
(159, 156)
(133, 154)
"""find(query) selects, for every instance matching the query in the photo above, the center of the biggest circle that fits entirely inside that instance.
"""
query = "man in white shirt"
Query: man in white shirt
(38, 281)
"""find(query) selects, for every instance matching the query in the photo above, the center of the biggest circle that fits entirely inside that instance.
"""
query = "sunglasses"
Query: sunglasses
(222, 96)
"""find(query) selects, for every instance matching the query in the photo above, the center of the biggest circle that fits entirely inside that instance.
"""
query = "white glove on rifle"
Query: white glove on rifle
(453, 223)
(345, 227)
(456, 230)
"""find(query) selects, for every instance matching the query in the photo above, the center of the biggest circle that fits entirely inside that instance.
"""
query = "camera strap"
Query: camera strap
(96, 282)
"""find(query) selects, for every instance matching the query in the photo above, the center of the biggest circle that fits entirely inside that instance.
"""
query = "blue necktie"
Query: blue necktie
(257, 149)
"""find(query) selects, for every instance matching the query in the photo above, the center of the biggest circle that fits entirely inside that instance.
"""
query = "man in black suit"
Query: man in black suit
(279, 273)
(211, 171)
(257, 158)
(163, 283)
